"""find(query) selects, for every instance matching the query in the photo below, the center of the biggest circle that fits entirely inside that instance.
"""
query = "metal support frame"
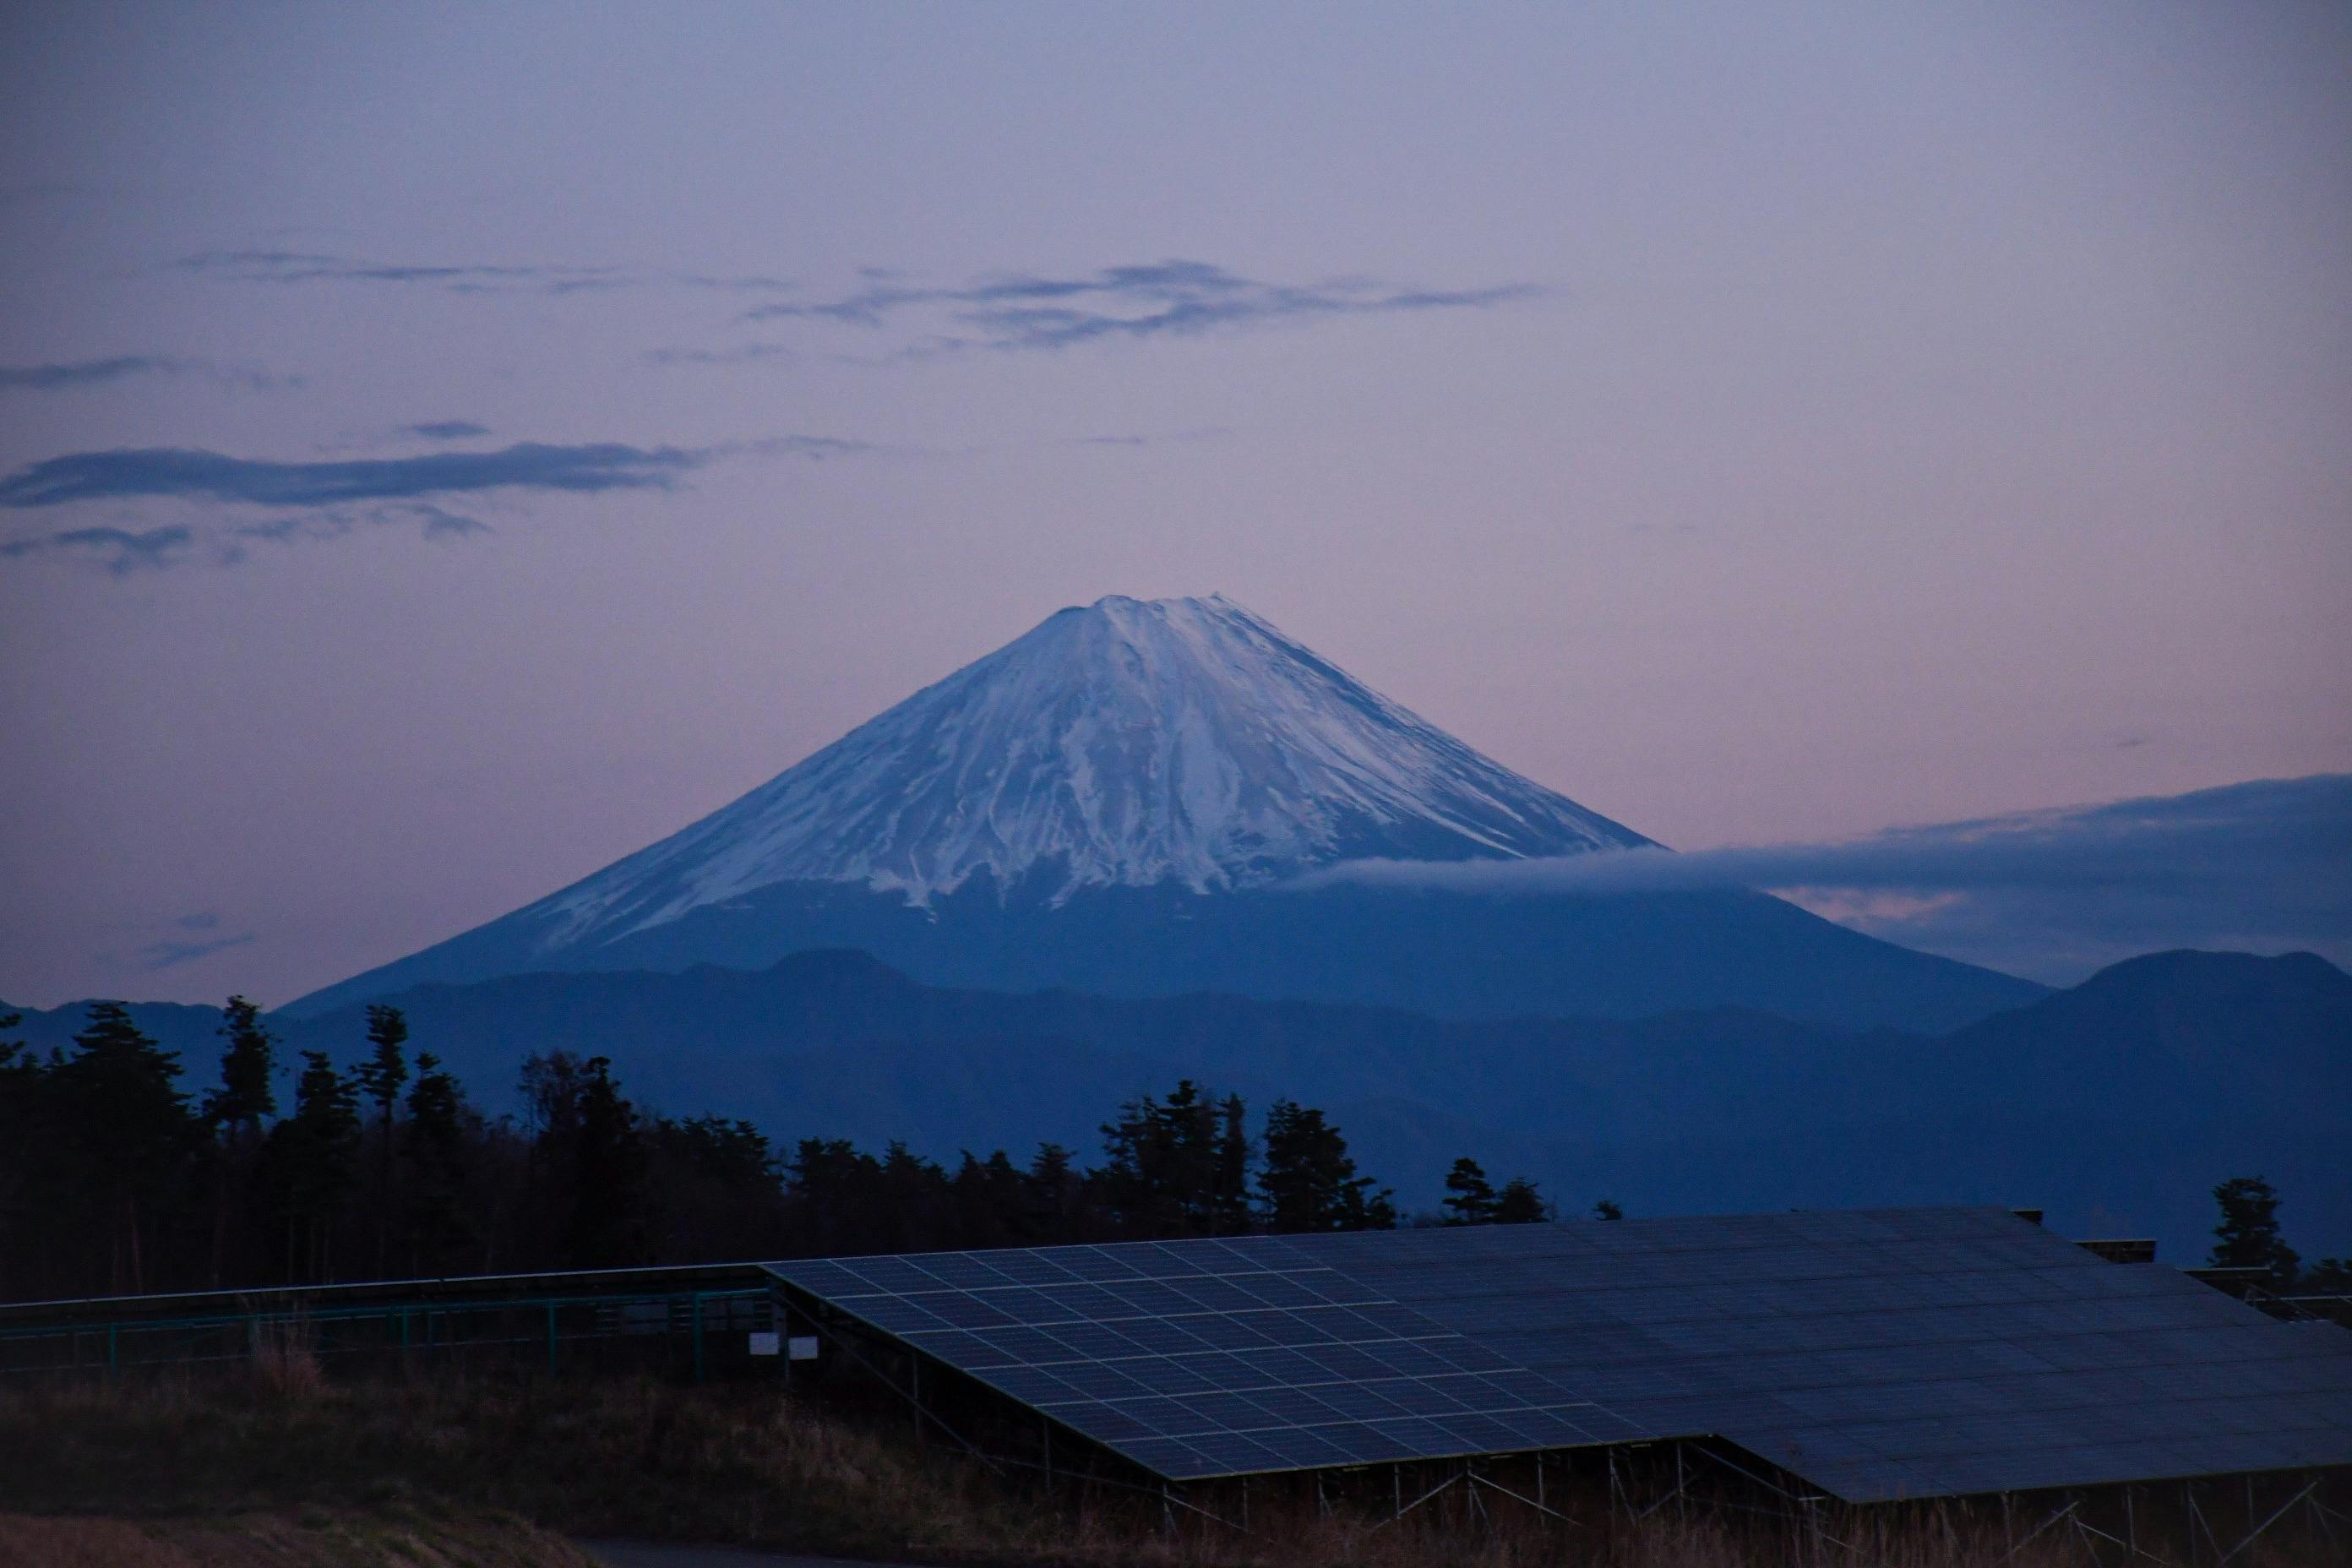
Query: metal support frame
(1450, 1481)
(2254, 1534)
(2035, 1533)
(1477, 1481)
(912, 1394)
(2189, 1490)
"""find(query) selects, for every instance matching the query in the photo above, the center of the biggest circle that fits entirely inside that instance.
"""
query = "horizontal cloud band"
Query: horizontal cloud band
(213, 476)
(2265, 864)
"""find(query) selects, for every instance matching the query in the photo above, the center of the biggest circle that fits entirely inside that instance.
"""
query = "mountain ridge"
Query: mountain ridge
(2071, 1103)
(1121, 800)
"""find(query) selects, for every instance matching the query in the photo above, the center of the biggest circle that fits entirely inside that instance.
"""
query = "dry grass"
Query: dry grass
(282, 1467)
(312, 1539)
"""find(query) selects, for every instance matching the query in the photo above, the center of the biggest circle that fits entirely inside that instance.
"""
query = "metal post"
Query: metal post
(698, 1338)
(1396, 1488)
(2197, 1514)
(114, 1352)
(915, 1398)
(550, 1337)
(1540, 1478)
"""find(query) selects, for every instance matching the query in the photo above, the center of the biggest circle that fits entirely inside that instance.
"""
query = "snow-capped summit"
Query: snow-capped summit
(1118, 803)
(1128, 743)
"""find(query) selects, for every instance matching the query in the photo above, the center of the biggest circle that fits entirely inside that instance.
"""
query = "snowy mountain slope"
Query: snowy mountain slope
(1118, 803)
(1129, 743)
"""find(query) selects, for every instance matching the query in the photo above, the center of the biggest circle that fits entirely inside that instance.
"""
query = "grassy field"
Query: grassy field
(287, 1469)
(307, 1538)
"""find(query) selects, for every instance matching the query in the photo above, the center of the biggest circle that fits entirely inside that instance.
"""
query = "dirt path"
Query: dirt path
(654, 1555)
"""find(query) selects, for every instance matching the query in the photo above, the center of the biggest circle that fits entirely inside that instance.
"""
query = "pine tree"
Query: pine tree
(236, 1112)
(1229, 1193)
(607, 1228)
(1309, 1183)
(245, 1097)
(1171, 1165)
(1607, 1209)
(28, 1151)
(1520, 1203)
(2247, 1236)
(313, 1155)
(1052, 1194)
(131, 1131)
(379, 1078)
(1469, 1196)
(434, 1219)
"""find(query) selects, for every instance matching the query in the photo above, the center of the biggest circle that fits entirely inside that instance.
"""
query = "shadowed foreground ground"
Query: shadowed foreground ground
(283, 1469)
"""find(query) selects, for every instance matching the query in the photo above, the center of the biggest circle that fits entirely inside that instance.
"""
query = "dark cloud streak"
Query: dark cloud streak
(121, 551)
(212, 476)
(747, 354)
(84, 373)
(1166, 299)
(172, 952)
(297, 266)
(328, 499)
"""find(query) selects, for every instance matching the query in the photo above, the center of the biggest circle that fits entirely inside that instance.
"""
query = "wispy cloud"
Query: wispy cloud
(172, 952)
(213, 476)
(743, 354)
(816, 448)
(2264, 865)
(1164, 299)
(297, 266)
(328, 499)
(1137, 441)
(78, 374)
(120, 550)
(446, 430)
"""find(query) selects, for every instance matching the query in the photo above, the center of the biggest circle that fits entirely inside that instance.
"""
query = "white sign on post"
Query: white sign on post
(764, 1343)
(803, 1347)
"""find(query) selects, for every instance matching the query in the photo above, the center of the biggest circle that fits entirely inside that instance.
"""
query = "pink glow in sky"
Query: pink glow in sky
(1759, 424)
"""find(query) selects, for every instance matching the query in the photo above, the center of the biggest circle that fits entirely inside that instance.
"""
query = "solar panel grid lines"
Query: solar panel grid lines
(1884, 1348)
(1125, 1354)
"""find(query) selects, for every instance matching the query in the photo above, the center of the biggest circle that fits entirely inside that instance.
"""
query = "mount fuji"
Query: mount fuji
(1123, 800)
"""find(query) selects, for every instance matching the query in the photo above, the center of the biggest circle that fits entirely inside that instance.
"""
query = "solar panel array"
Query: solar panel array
(1210, 1357)
(1879, 1354)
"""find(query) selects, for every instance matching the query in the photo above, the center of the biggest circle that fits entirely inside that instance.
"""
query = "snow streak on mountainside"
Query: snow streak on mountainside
(1125, 744)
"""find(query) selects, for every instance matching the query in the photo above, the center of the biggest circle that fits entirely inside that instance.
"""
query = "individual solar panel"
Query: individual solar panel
(1210, 1357)
(1881, 1353)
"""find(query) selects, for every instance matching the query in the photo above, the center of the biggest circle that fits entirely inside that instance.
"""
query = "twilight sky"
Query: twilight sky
(444, 449)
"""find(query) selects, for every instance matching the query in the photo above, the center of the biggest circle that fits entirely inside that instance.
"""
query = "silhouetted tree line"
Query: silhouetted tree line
(113, 1178)
(2248, 1238)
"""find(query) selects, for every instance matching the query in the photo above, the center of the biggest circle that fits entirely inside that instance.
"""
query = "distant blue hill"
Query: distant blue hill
(1449, 953)
(2116, 1104)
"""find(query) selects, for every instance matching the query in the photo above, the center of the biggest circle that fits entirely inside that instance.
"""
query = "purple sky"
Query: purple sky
(1761, 425)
